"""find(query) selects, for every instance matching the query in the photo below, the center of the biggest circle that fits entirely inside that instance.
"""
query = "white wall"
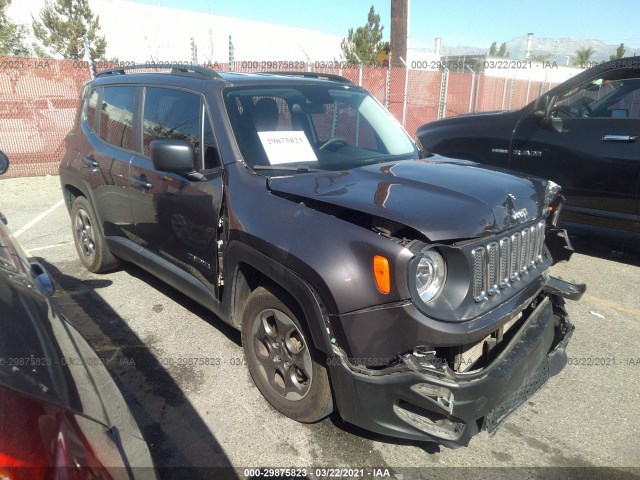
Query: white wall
(142, 32)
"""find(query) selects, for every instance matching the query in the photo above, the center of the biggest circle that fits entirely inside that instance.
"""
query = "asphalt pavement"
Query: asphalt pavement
(182, 372)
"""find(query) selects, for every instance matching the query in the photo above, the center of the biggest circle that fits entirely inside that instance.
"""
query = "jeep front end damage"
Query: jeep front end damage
(405, 371)
(448, 394)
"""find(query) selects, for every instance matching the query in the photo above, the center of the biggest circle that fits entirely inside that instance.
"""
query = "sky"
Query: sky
(458, 22)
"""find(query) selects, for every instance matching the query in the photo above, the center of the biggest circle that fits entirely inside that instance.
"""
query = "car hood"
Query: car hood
(444, 199)
(471, 117)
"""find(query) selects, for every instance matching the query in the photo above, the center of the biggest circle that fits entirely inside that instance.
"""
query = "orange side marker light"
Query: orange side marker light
(381, 272)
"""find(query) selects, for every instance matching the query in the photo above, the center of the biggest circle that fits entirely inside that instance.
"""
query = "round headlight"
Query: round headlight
(430, 275)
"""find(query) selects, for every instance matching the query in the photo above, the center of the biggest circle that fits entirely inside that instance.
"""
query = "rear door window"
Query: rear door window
(116, 115)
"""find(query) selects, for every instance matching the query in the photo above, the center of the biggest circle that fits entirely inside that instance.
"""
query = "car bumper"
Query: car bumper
(448, 407)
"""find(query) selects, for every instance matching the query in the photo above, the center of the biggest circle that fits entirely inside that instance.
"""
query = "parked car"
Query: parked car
(410, 294)
(582, 134)
(61, 414)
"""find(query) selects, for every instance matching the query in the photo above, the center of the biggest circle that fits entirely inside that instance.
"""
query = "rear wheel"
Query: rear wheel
(90, 243)
(280, 357)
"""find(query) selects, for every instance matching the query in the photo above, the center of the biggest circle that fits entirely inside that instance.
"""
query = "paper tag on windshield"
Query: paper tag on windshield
(287, 147)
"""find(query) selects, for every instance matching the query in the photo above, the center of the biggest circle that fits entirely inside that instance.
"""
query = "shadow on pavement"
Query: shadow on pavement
(181, 444)
(363, 436)
(167, 290)
(427, 447)
(615, 245)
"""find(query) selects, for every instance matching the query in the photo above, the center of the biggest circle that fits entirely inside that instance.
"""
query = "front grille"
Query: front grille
(500, 263)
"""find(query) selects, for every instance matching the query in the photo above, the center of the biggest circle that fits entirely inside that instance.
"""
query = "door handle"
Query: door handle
(91, 162)
(141, 182)
(620, 138)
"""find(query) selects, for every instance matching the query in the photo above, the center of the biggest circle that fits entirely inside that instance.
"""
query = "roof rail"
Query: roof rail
(176, 69)
(319, 75)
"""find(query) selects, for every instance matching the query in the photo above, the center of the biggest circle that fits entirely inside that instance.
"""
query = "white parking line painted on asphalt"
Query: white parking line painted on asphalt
(37, 219)
(63, 244)
(612, 304)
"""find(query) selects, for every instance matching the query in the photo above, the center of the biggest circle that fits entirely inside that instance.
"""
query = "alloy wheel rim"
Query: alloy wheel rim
(84, 232)
(282, 354)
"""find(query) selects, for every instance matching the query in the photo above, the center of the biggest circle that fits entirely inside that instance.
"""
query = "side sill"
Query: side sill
(167, 272)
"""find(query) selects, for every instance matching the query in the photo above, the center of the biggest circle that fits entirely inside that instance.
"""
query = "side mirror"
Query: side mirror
(552, 123)
(541, 106)
(176, 156)
(42, 279)
(4, 162)
(542, 111)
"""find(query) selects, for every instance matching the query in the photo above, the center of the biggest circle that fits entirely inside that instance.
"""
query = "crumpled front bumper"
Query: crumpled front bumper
(447, 407)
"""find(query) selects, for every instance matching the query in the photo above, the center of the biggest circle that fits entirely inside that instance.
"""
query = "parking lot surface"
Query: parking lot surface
(182, 371)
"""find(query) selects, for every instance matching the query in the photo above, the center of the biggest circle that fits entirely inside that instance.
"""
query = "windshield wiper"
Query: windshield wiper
(387, 158)
(286, 169)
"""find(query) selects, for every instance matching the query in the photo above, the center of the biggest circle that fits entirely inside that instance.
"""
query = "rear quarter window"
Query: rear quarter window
(92, 108)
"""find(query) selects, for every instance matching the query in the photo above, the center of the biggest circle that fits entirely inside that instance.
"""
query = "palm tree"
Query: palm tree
(583, 55)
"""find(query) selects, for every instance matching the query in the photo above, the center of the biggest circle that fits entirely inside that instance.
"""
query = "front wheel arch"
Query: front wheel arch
(289, 372)
(249, 269)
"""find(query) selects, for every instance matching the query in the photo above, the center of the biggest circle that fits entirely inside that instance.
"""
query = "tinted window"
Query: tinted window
(614, 95)
(116, 116)
(171, 115)
(92, 107)
(626, 103)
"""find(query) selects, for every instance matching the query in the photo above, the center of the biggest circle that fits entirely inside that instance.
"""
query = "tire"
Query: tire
(281, 359)
(90, 243)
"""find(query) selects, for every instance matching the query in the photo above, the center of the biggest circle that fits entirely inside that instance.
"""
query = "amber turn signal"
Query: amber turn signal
(381, 272)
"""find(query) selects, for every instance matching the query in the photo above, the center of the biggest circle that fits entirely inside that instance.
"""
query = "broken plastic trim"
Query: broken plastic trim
(564, 289)
(559, 245)
(440, 396)
(441, 428)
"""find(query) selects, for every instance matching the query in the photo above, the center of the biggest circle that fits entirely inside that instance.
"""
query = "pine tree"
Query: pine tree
(494, 51)
(68, 28)
(502, 51)
(13, 37)
(619, 53)
(365, 42)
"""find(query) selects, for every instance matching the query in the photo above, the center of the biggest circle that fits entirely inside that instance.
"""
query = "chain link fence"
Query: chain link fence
(38, 99)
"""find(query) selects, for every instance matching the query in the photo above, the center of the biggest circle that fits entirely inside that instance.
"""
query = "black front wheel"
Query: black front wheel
(280, 357)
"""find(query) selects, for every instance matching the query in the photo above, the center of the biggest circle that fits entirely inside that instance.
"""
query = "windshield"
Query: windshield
(303, 128)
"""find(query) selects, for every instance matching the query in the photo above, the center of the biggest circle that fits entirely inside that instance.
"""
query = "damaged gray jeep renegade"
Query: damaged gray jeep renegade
(411, 294)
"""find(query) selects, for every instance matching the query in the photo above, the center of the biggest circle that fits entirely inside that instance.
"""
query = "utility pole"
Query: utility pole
(527, 54)
(232, 63)
(399, 31)
(194, 51)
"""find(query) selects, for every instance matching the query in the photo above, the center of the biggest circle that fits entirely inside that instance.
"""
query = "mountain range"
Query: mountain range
(556, 48)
